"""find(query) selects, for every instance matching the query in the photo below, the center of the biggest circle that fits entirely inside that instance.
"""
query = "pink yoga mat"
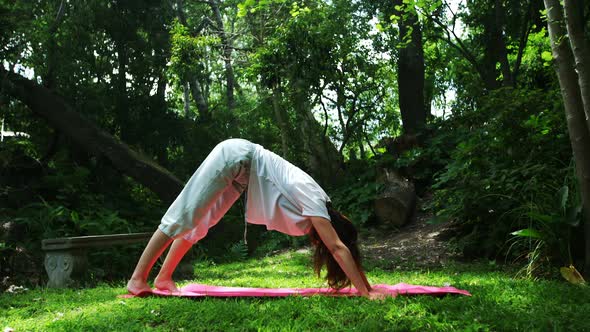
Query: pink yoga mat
(199, 290)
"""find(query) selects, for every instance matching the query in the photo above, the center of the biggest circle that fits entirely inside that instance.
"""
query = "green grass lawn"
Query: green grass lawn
(499, 303)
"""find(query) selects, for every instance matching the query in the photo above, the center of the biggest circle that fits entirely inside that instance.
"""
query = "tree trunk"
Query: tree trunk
(495, 48)
(60, 115)
(362, 153)
(323, 158)
(579, 44)
(186, 98)
(572, 100)
(300, 105)
(500, 44)
(161, 90)
(49, 79)
(410, 69)
(227, 53)
(524, 36)
(121, 102)
(281, 116)
(199, 96)
(200, 99)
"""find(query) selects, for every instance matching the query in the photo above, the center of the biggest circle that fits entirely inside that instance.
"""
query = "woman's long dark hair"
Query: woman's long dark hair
(322, 256)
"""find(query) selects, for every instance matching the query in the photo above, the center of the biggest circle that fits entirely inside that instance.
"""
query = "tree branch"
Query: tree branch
(60, 115)
(459, 46)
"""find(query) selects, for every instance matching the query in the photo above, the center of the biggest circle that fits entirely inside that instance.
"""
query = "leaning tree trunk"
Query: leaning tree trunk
(410, 71)
(574, 111)
(61, 116)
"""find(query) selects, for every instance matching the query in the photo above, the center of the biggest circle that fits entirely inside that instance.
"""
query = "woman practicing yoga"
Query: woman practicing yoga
(280, 196)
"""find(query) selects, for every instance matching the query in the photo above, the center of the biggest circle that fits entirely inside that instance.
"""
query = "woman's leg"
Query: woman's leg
(182, 245)
(209, 193)
(178, 249)
(155, 247)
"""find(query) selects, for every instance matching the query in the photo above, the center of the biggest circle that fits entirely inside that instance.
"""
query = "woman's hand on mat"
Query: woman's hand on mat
(375, 294)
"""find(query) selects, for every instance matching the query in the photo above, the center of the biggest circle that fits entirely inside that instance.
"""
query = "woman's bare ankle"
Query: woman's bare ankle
(138, 286)
(165, 283)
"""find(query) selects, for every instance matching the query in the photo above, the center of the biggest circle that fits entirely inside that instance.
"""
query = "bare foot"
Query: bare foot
(138, 287)
(166, 284)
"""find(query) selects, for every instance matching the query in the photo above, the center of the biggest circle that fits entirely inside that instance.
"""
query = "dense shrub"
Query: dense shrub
(69, 199)
(505, 164)
(355, 195)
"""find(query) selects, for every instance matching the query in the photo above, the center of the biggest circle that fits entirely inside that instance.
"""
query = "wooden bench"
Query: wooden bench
(66, 257)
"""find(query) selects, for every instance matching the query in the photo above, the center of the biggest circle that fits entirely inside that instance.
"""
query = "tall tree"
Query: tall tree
(575, 30)
(495, 51)
(405, 46)
(410, 68)
(574, 110)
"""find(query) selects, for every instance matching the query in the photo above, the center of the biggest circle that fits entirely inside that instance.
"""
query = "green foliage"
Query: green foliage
(318, 52)
(237, 252)
(252, 6)
(547, 238)
(271, 242)
(537, 59)
(188, 52)
(420, 164)
(45, 220)
(355, 196)
(62, 199)
(509, 157)
(12, 151)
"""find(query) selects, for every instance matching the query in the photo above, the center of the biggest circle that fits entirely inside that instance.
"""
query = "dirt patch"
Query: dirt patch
(416, 245)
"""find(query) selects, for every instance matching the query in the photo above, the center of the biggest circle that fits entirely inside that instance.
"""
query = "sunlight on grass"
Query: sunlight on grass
(499, 302)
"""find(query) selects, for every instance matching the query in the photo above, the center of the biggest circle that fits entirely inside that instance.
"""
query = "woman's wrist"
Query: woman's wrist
(365, 292)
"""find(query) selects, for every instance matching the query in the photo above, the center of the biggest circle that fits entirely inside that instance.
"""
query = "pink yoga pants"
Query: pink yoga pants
(210, 192)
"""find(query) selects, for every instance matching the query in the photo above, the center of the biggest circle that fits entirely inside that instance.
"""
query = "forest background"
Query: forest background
(117, 103)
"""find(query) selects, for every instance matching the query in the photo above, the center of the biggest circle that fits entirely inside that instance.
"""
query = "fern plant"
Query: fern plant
(548, 236)
(238, 251)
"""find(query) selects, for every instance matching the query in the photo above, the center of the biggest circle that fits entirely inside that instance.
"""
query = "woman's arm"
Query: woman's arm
(365, 278)
(341, 254)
